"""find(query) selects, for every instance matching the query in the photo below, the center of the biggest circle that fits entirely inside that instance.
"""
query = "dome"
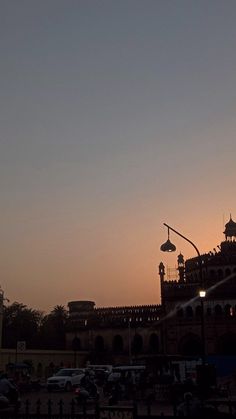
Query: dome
(230, 228)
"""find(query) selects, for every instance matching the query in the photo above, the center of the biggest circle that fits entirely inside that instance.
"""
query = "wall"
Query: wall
(45, 357)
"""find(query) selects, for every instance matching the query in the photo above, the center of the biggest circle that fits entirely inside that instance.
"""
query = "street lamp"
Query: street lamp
(170, 247)
(202, 295)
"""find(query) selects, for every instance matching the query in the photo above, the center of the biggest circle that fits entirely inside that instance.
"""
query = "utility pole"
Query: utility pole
(1, 315)
(2, 299)
(1, 320)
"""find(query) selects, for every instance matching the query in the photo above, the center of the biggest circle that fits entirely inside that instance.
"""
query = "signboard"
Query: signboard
(116, 412)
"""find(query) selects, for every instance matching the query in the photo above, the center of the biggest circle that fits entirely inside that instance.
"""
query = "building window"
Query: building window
(137, 344)
(189, 311)
(208, 311)
(154, 343)
(198, 311)
(180, 312)
(218, 310)
(99, 344)
(220, 273)
(212, 274)
(118, 344)
(227, 310)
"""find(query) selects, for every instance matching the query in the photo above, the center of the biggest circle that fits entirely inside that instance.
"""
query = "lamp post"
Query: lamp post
(129, 340)
(1, 315)
(170, 247)
(202, 295)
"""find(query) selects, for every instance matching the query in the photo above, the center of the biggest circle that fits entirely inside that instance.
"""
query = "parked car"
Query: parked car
(65, 379)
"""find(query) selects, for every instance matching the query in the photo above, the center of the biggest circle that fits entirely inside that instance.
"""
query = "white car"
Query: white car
(65, 379)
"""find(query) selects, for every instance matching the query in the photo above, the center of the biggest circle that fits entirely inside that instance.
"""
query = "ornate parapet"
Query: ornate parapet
(111, 316)
(134, 314)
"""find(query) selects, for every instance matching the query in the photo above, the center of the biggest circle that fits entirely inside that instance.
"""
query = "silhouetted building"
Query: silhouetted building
(173, 327)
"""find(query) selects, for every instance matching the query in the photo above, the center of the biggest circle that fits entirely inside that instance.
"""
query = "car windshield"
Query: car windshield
(65, 373)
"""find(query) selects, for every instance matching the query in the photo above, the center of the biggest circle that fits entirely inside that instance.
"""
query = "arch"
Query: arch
(198, 311)
(99, 344)
(227, 309)
(118, 344)
(180, 312)
(76, 344)
(218, 310)
(190, 344)
(154, 343)
(220, 274)
(212, 274)
(137, 344)
(189, 311)
(208, 311)
(226, 344)
(227, 272)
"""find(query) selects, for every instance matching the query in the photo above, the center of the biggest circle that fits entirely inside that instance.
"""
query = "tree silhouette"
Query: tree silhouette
(53, 328)
(21, 323)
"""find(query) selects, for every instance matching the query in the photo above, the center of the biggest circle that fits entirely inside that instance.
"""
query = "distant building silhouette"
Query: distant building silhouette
(117, 334)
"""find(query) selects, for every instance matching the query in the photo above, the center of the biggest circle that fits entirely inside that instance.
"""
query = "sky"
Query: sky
(115, 117)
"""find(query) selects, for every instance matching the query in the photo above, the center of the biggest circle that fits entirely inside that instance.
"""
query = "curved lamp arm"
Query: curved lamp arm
(195, 247)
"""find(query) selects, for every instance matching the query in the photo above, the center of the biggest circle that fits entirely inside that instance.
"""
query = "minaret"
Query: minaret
(162, 279)
(230, 230)
(181, 268)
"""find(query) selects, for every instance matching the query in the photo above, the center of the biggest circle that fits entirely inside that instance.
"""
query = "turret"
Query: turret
(181, 268)
(230, 230)
(162, 278)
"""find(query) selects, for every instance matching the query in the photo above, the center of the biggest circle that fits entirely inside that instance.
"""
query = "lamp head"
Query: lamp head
(202, 293)
(168, 246)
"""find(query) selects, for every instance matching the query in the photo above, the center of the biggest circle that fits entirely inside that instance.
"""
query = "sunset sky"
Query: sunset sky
(116, 116)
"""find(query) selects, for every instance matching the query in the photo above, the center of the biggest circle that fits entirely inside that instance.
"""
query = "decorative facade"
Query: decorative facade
(122, 334)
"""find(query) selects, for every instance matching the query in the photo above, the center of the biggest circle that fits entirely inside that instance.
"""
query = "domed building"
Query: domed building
(215, 272)
(174, 327)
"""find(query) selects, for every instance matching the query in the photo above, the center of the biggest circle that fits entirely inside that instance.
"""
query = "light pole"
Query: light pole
(202, 295)
(170, 247)
(129, 340)
(1, 315)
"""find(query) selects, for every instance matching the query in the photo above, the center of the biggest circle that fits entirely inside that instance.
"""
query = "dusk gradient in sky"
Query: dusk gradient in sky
(115, 116)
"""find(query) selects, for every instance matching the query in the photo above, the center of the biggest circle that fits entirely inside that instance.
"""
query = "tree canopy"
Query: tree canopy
(38, 330)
